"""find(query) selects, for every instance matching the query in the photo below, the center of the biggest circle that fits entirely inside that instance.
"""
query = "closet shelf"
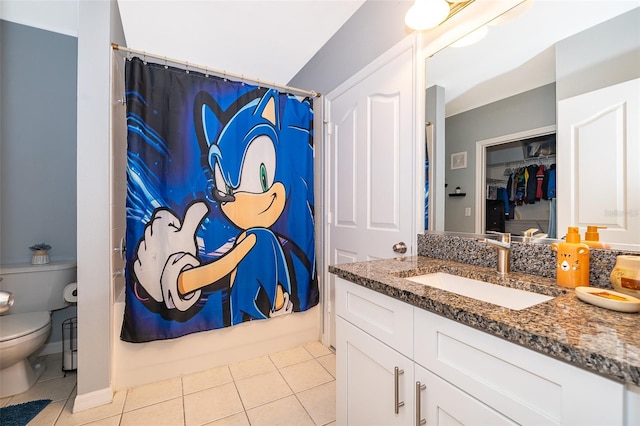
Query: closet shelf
(543, 159)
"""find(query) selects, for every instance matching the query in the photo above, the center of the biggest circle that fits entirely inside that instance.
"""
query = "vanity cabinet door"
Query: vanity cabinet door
(444, 404)
(366, 380)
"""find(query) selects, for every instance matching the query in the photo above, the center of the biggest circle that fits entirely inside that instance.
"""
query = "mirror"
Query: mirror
(513, 71)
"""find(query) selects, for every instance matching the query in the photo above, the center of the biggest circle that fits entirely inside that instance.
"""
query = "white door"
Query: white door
(599, 149)
(372, 159)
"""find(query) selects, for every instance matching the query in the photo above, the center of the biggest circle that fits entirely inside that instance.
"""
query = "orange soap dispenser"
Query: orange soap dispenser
(592, 237)
(572, 266)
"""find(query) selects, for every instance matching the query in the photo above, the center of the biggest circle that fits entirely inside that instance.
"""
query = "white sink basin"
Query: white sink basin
(507, 297)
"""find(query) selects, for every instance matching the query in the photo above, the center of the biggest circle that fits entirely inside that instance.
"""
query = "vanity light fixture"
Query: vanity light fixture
(425, 14)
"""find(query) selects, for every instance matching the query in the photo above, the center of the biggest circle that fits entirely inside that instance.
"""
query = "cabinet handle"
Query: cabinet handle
(396, 391)
(419, 420)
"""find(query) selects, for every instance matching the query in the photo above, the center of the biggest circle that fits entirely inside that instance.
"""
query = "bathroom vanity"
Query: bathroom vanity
(409, 352)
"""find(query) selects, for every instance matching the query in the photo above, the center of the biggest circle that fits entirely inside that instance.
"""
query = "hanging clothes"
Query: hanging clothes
(545, 184)
(521, 185)
(540, 179)
(502, 195)
(551, 185)
(552, 219)
(532, 183)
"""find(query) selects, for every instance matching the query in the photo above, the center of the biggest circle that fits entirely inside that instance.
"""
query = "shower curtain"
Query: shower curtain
(220, 226)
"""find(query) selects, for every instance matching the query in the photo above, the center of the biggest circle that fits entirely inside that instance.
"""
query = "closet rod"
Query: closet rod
(219, 73)
(526, 161)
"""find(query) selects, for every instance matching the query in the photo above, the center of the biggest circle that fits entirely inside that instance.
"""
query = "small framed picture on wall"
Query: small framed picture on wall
(459, 160)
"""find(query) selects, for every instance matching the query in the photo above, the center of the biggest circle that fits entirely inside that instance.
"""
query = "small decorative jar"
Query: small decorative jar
(40, 253)
(625, 276)
(40, 257)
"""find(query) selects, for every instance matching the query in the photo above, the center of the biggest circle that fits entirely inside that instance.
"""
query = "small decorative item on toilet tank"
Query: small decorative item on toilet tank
(40, 253)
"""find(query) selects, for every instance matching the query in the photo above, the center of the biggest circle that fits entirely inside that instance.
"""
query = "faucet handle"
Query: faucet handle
(505, 237)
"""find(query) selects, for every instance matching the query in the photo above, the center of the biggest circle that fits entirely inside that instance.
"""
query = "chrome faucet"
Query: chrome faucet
(528, 235)
(503, 244)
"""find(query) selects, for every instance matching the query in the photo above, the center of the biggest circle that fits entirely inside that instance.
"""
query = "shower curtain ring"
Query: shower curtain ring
(187, 69)
(206, 71)
(166, 65)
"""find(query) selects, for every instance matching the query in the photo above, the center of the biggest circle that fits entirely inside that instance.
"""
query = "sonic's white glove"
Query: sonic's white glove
(286, 308)
(168, 248)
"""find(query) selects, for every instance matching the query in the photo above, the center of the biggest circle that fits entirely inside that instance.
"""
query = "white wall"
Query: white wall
(59, 16)
(95, 34)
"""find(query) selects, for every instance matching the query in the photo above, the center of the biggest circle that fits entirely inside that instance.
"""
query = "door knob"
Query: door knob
(400, 247)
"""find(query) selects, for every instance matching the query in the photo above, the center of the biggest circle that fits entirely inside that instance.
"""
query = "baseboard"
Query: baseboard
(92, 399)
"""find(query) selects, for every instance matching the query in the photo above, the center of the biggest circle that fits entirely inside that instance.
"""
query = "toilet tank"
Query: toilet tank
(37, 287)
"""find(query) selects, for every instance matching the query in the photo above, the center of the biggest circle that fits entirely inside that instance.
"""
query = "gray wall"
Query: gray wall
(601, 56)
(38, 142)
(38, 151)
(374, 28)
(529, 110)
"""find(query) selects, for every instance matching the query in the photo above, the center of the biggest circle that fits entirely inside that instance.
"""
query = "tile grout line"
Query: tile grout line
(234, 380)
(184, 406)
(244, 408)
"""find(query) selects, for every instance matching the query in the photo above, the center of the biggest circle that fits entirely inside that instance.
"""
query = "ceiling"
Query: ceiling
(517, 54)
(269, 40)
(272, 40)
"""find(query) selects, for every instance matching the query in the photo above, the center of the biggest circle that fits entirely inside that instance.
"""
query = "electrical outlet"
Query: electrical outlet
(467, 211)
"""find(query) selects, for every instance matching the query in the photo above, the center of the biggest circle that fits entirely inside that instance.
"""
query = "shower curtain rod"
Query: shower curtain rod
(219, 73)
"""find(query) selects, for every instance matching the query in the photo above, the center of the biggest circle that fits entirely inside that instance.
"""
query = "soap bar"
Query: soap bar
(608, 299)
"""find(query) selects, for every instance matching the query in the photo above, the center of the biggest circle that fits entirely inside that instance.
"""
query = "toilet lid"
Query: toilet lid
(18, 325)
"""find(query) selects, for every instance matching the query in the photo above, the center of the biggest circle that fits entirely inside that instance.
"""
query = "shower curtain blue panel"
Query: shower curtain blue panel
(220, 226)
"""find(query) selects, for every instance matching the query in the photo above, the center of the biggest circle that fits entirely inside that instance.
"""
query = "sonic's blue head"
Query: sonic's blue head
(261, 157)
(246, 144)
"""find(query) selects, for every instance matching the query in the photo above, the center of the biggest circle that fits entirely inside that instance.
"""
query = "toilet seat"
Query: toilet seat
(14, 326)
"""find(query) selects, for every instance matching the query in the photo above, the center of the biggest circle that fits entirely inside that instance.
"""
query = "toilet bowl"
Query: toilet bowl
(26, 325)
(20, 336)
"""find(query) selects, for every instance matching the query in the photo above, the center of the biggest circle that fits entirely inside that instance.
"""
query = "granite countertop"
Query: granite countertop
(593, 338)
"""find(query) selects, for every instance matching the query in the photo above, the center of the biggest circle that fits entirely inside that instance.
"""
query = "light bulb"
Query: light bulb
(425, 14)
(472, 37)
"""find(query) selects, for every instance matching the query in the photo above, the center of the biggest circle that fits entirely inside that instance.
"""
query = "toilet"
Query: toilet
(25, 327)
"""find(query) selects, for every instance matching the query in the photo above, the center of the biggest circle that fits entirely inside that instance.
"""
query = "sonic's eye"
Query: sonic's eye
(263, 177)
(258, 166)
(221, 191)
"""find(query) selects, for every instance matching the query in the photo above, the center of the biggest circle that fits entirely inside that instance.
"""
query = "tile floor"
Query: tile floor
(294, 387)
